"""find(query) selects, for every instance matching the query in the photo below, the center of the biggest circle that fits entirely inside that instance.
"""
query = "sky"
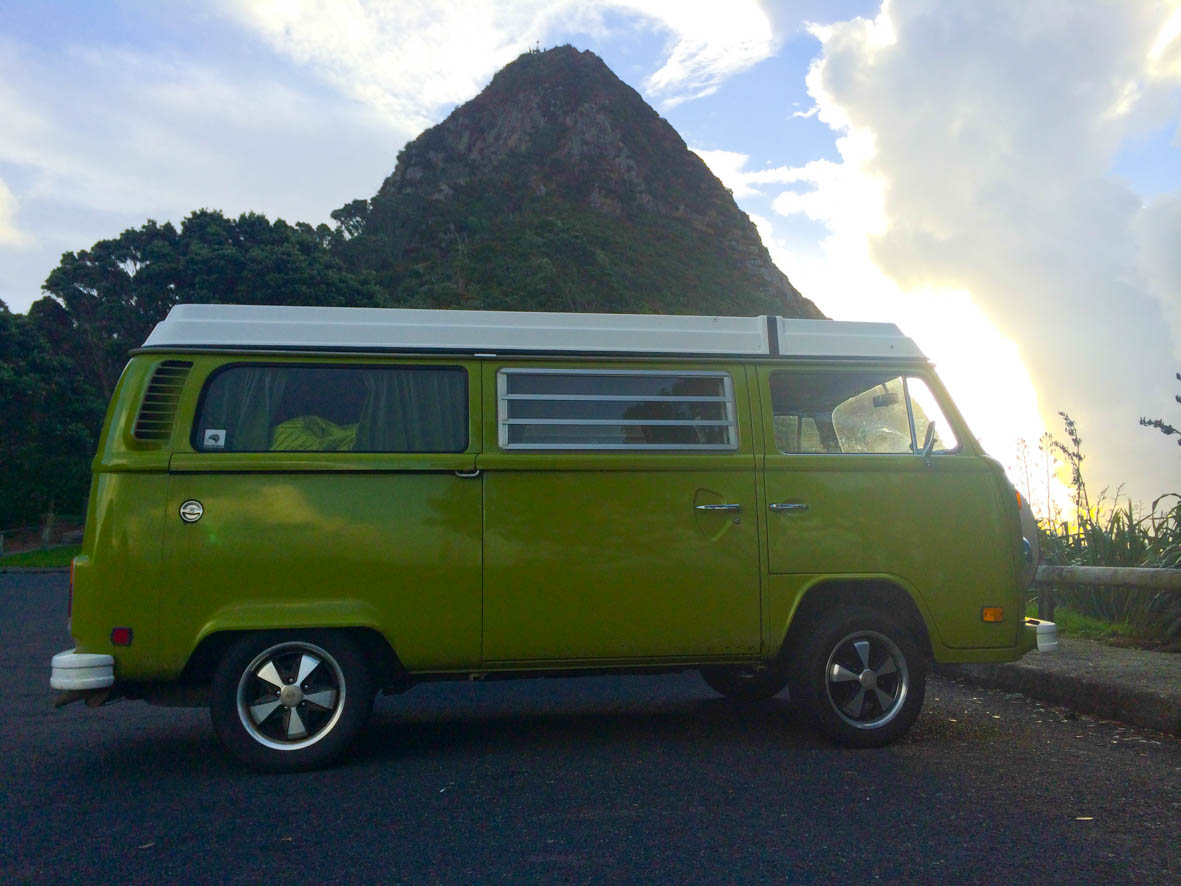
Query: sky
(1000, 178)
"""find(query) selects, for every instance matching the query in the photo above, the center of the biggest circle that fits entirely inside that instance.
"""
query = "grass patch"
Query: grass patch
(1077, 624)
(47, 559)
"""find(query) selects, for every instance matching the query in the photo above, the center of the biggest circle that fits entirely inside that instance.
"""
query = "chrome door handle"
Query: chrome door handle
(467, 475)
(789, 506)
(719, 507)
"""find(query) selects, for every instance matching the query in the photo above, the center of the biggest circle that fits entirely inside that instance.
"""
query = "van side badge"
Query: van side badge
(191, 511)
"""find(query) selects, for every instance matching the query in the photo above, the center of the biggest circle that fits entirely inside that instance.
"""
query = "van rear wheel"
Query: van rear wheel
(744, 684)
(860, 676)
(289, 701)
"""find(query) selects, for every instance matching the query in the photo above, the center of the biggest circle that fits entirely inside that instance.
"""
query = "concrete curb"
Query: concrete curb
(1136, 705)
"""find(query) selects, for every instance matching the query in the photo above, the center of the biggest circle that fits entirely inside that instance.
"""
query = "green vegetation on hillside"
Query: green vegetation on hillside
(553, 256)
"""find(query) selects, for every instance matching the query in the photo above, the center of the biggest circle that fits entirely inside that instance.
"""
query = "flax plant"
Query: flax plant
(1111, 533)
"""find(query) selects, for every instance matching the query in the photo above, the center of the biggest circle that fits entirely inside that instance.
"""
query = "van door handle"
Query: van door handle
(789, 506)
(468, 475)
(718, 507)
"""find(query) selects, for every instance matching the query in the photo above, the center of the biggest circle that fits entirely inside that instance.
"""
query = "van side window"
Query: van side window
(267, 408)
(855, 412)
(616, 409)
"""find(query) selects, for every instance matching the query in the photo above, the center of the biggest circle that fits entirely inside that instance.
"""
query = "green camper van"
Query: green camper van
(294, 508)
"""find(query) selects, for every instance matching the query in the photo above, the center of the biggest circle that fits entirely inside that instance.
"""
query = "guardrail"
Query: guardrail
(1099, 576)
(14, 531)
(45, 531)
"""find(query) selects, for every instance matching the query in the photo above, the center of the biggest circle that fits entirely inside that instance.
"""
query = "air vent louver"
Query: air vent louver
(158, 409)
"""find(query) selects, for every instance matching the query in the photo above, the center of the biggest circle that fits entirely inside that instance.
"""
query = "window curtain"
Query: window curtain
(242, 401)
(414, 411)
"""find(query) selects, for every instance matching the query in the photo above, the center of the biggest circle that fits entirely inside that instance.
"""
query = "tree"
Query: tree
(49, 419)
(60, 362)
(115, 292)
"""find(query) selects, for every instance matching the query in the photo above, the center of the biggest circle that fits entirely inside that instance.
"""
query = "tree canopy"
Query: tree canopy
(60, 362)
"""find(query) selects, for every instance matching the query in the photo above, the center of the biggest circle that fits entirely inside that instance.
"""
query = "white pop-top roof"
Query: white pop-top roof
(264, 327)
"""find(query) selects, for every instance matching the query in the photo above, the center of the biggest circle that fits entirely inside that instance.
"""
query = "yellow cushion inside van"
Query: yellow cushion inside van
(310, 433)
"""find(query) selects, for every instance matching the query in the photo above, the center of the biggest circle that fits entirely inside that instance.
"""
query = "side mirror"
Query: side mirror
(929, 442)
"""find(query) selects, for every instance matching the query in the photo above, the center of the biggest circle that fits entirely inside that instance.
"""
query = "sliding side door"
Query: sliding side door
(619, 513)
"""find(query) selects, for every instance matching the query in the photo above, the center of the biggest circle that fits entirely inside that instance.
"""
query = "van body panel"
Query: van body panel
(117, 575)
(786, 592)
(594, 556)
(389, 541)
(406, 545)
(321, 612)
(584, 564)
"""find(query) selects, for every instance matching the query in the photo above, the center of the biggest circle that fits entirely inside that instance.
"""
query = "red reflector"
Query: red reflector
(120, 636)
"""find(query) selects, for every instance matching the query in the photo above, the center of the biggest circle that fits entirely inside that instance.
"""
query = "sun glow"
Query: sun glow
(980, 366)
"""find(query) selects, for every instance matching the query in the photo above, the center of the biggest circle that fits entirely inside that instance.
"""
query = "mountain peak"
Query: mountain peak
(557, 138)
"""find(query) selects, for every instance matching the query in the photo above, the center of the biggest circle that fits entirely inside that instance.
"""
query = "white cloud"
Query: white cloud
(1157, 228)
(711, 42)
(181, 134)
(976, 144)
(730, 169)
(10, 235)
(412, 58)
(96, 141)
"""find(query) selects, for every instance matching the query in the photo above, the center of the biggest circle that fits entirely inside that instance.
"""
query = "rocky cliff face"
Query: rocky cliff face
(559, 188)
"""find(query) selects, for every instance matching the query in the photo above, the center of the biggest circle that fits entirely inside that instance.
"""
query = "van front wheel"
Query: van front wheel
(860, 676)
(285, 702)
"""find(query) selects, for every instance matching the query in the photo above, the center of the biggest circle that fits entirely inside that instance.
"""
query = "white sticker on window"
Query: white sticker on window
(215, 438)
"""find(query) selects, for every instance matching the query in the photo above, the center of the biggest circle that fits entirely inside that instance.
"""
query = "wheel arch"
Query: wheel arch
(383, 661)
(888, 597)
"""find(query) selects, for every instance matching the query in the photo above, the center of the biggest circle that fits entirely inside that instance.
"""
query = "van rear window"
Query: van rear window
(615, 409)
(270, 408)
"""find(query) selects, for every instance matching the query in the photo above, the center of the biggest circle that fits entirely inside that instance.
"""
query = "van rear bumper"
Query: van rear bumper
(75, 671)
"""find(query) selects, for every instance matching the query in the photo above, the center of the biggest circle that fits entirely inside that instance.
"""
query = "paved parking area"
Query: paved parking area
(583, 780)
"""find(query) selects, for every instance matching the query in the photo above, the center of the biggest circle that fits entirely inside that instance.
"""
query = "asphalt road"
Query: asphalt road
(629, 779)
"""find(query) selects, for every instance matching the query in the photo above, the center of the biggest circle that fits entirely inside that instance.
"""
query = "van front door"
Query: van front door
(618, 514)
(848, 494)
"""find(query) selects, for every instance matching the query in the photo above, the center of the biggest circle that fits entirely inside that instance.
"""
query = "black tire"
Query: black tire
(744, 684)
(271, 720)
(860, 676)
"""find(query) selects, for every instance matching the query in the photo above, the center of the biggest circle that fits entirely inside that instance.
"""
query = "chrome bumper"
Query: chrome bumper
(76, 671)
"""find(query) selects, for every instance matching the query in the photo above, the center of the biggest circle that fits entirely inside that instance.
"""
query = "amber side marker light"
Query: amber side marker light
(992, 613)
(120, 636)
